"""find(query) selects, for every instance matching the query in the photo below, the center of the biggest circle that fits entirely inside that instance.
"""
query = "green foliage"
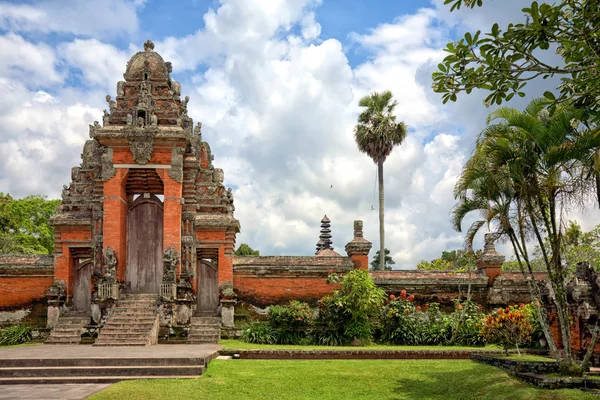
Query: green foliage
(259, 333)
(24, 225)
(347, 313)
(16, 334)
(290, 324)
(246, 251)
(376, 263)
(452, 261)
(405, 323)
(503, 61)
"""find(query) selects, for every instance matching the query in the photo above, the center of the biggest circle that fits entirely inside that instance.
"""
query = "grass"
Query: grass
(240, 345)
(530, 357)
(340, 379)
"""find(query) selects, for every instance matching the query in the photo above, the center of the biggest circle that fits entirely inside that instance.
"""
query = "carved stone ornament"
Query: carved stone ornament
(170, 261)
(176, 170)
(141, 143)
(108, 170)
(110, 263)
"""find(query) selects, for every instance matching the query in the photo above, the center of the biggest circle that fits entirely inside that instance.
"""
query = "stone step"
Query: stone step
(58, 340)
(82, 379)
(216, 331)
(67, 329)
(103, 342)
(65, 321)
(99, 362)
(145, 370)
(118, 319)
(120, 335)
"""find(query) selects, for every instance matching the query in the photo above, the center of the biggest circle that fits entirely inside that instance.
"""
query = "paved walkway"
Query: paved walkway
(49, 392)
(82, 391)
(88, 351)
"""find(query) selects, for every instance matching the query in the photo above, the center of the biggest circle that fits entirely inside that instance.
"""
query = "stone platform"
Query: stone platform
(84, 364)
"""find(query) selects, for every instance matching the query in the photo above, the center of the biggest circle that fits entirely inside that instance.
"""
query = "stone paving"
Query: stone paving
(50, 392)
(82, 391)
(88, 351)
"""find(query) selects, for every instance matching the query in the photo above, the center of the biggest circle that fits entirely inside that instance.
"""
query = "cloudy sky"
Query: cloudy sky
(276, 84)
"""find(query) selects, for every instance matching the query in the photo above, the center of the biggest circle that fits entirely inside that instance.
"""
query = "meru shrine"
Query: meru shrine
(146, 232)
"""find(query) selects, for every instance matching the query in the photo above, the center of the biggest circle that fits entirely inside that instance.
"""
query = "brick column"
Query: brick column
(172, 213)
(115, 219)
(358, 249)
(490, 262)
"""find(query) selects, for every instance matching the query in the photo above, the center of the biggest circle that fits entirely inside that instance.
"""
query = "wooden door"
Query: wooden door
(144, 267)
(82, 291)
(208, 288)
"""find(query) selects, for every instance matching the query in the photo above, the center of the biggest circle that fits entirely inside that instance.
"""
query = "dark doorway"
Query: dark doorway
(82, 292)
(144, 268)
(208, 288)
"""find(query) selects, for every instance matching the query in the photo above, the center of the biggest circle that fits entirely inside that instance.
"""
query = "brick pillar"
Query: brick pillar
(359, 247)
(115, 219)
(172, 213)
(490, 262)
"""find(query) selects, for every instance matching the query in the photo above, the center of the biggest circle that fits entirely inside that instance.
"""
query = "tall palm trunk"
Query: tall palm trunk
(381, 214)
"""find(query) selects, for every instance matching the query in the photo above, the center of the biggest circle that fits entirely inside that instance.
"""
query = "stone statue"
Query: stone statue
(66, 192)
(148, 45)
(111, 103)
(198, 129)
(120, 88)
(169, 66)
(179, 121)
(230, 207)
(140, 122)
(154, 120)
(110, 263)
(105, 118)
(129, 119)
(170, 261)
(184, 104)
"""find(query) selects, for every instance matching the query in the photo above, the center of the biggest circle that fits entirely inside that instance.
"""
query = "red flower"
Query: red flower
(331, 271)
(403, 294)
(418, 308)
(460, 306)
(411, 297)
(522, 305)
(392, 297)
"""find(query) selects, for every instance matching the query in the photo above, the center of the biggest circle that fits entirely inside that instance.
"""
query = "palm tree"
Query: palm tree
(376, 134)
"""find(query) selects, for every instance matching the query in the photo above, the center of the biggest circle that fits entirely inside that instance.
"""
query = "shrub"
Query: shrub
(16, 334)
(510, 326)
(346, 314)
(259, 333)
(467, 320)
(290, 324)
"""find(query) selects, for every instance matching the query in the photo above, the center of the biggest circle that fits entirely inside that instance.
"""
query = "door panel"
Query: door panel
(82, 292)
(144, 267)
(208, 288)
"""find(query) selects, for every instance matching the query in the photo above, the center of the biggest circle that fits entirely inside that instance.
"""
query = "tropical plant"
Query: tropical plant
(510, 326)
(346, 313)
(525, 172)
(16, 334)
(376, 134)
(376, 263)
(503, 62)
(290, 324)
(258, 332)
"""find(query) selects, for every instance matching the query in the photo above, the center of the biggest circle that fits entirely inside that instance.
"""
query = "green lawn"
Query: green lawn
(337, 379)
(239, 345)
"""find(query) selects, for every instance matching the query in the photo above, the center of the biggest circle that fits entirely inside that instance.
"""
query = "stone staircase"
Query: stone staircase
(204, 330)
(97, 370)
(132, 322)
(68, 330)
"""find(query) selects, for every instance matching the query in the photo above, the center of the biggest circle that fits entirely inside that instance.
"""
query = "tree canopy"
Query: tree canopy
(246, 251)
(503, 60)
(376, 263)
(24, 225)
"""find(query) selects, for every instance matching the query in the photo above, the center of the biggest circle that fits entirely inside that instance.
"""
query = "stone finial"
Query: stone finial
(148, 45)
(490, 262)
(325, 237)
(358, 228)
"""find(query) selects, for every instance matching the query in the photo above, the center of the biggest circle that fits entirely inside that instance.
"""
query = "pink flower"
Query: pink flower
(411, 297)
(392, 297)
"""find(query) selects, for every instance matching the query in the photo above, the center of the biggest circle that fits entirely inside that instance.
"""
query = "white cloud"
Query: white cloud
(104, 18)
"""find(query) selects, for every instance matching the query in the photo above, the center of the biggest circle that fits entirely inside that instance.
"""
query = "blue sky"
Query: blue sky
(276, 84)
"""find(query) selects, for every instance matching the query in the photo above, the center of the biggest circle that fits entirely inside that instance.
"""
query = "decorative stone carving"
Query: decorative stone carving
(490, 262)
(120, 88)
(112, 105)
(108, 170)
(184, 104)
(170, 261)
(153, 120)
(218, 175)
(148, 45)
(92, 154)
(176, 170)
(230, 206)
(110, 264)
(141, 143)
(129, 120)
(169, 66)
(105, 119)
(359, 245)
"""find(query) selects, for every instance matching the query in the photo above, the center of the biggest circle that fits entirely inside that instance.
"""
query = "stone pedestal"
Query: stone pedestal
(490, 262)
(358, 249)
(227, 313)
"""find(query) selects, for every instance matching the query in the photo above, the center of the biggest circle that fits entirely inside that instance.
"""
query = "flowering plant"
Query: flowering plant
(509, 326)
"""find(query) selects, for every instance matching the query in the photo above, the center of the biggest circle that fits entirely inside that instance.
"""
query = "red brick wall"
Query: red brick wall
(172, 213)
(115, 218)
(24, 279)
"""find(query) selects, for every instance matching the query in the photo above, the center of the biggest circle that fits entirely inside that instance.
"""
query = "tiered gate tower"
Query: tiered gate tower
(146, 212)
